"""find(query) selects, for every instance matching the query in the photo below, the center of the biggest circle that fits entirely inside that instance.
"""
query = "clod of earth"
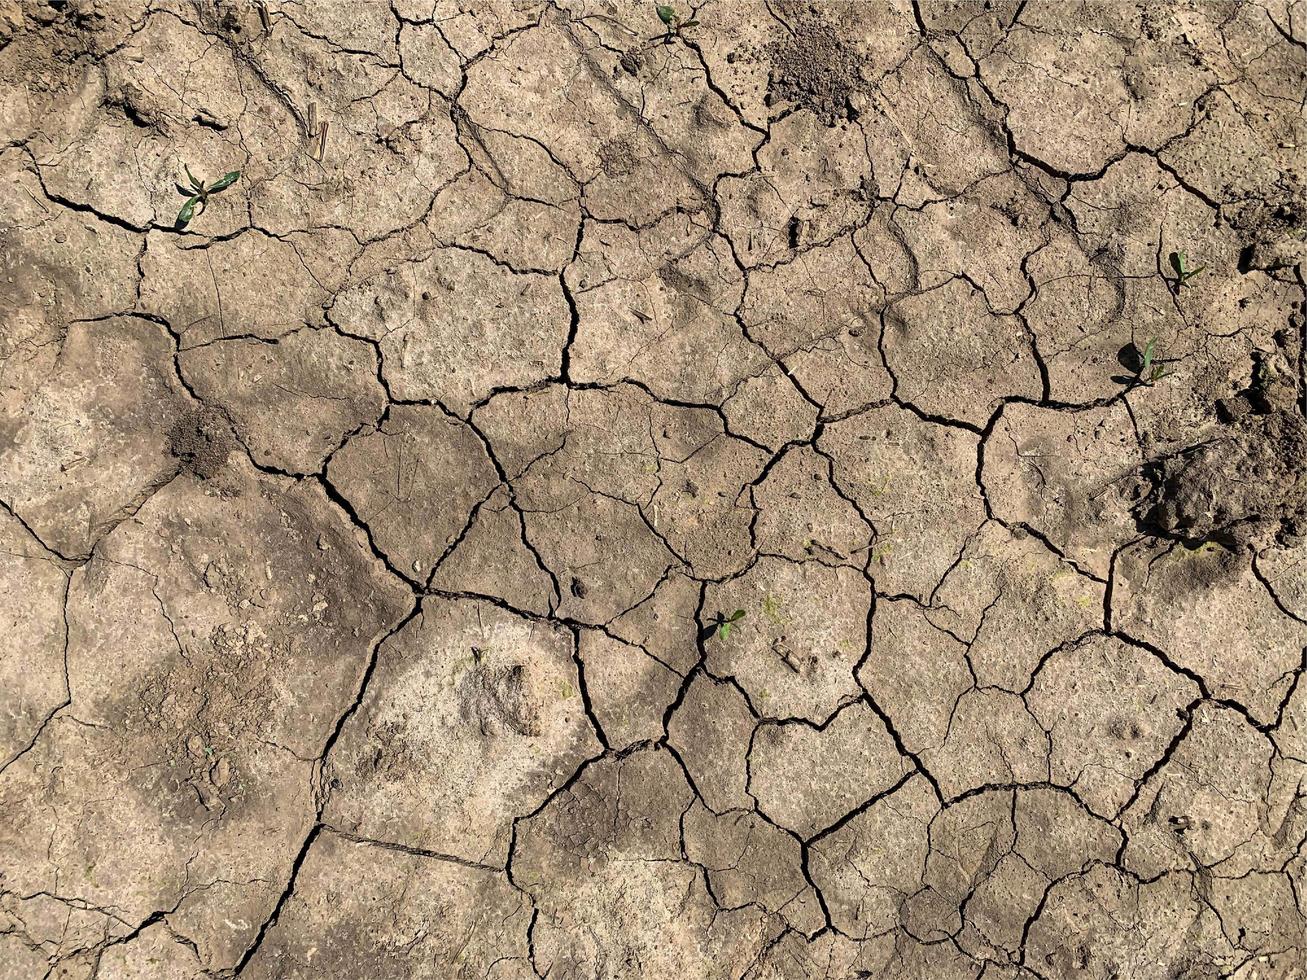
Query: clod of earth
(769, 489)
(201, 440)
(1246, 483)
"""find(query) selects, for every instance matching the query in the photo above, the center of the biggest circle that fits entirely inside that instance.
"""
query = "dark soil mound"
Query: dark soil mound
(1245, 485)
(202, 440)
(815, 68)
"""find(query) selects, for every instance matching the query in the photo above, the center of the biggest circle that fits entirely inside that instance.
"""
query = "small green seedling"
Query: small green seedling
(1180, 263)
(668, 15)
(1151, 370)
(197, 196)
(724, 623)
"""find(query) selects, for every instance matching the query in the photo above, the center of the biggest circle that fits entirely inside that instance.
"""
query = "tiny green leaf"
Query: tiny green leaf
(1178, 263)
(1193, 272)
(690, 23)
(724, 630)
(1149, 349)
(666, 14)
(736, 616)
(187, 212)
(225, 181)
(195, 184)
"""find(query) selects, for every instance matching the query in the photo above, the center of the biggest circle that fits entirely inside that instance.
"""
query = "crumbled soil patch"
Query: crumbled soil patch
(202, 440)
(815, 68)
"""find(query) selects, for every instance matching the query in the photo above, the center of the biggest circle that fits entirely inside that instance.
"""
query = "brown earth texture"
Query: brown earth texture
(759, 490)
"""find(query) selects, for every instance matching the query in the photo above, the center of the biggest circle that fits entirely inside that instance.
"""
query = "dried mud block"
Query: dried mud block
(810, 779)
(89, 444)
(970, 862)
(472, 717)
(323, 387)
(1103, 924)
(415, 481)
(915, 102)
(812, 184)
(953, 358)
(1091, 132)
(455, 326)
(1213, 805)
(913, 480)
(1232, 153)
(662, 480)
(802, 517)
(611, 566)
(428, 58)
(1282, 569)
(1112, 711)
(58, 266)
(654, 306)
(573, 110)
(391, 146)
(915, 673)
(1057, 836)
(819, 316)
(1083, 312)
(1212, 616)
(32, 638)
(122, 161)
(665, 623)
(983, 235)
(769, 408)
(748, 860)
(359, 909)
(1014, 601)
(157, 953)
(492, 559)
(992, 738)
(525, 235)
(211, 649)
(603, 863)
(805, 628)
(711, 732)
(269, 287)
(701, 506)
(629, 690)
(1071, 477)
(866, 865)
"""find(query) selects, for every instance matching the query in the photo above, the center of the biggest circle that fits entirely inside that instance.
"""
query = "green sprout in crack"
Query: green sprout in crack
(197, 195)
(724, 623)
(1151, 368)
(1180, 264)
(672, 20)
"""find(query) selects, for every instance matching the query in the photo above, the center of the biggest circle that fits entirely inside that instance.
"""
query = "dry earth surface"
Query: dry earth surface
(365, 541)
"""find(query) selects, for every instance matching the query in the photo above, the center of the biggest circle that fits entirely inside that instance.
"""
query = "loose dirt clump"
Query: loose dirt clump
(814, 69)
(1246, 485)
(202, 440)
(1276, 229)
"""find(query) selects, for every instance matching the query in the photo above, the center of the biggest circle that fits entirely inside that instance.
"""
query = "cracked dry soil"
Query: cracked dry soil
(363, 542)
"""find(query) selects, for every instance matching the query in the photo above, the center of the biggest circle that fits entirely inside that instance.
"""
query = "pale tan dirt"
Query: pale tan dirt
(364, 544)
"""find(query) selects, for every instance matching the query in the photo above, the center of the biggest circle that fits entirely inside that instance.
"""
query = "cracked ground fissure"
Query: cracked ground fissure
(367, 542)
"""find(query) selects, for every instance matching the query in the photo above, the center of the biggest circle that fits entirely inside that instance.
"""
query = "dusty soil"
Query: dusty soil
(372, 545)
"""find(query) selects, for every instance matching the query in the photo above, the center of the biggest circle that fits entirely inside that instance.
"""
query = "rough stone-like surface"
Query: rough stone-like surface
(596, 498)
